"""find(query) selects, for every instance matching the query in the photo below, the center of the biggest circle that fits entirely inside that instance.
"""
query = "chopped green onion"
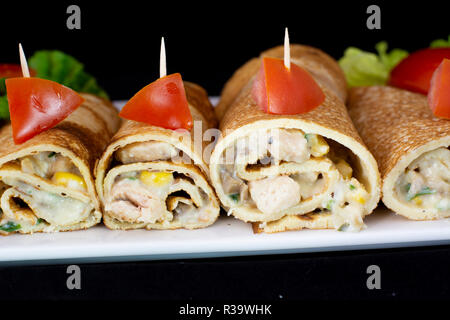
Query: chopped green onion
(343, 227)
(40, 220)
(234, 197)
(52, 154)
(131, 178)
(10, 226)
(422, 192)
(352, 187)
(330, 204)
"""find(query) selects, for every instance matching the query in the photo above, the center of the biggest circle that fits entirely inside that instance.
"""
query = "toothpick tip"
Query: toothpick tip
(23, 62)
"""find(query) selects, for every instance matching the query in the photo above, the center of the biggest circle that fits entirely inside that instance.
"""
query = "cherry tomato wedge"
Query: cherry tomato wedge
(37, 105)
(162, 103)
(415, 71)
(12, 71)
(439, 94)
(279, 90)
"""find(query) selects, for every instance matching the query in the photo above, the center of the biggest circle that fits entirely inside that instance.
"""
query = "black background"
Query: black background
(206, 41)
(119, 44)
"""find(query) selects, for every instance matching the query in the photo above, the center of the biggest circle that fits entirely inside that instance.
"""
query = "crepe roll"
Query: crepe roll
(156, 178)
(289, 172)
(47, 183)
(411, 146)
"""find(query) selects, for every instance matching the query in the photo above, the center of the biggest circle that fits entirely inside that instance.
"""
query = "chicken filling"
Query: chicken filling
(426, 181)
(155, 197)
(34, 206)
(275, 192)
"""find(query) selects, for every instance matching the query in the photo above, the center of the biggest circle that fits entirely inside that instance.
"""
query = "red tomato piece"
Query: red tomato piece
(162, 103)
(279, 90)
(439, 94)
(37, 105)
(415, 71)
(12, 71)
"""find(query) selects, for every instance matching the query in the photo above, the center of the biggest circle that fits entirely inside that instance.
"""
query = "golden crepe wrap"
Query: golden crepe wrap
(181, 196)
(37, 176)
(405, 138)
(240, 117)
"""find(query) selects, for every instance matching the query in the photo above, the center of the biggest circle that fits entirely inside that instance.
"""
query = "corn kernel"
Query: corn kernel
(69, 180)
(417, 201)
(319, 147)
(157, 179)
(360, 199)
(344, 169)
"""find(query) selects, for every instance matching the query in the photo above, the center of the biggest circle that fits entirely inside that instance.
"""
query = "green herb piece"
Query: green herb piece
(440, 43)
(364, 68)
(352, 187)
(234, 197)
(343, 227)
(407, 187)
(40, 220)
(10, 226)
(4, 107)
(131, 178)
(330, 204)
(422, 192)
(51, 154)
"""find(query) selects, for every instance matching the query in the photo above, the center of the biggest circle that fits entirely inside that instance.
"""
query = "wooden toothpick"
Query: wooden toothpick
(162, 60)
(23, 62)
(287, 50)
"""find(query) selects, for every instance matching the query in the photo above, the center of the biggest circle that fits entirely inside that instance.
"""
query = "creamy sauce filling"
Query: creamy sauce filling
(426, 181)
(280, 192)
(40, 207)
(47, 207)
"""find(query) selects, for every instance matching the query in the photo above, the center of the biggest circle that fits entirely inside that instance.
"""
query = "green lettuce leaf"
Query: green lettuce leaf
(364, 68)
(440, 43)
(59, 67)
(65, 69)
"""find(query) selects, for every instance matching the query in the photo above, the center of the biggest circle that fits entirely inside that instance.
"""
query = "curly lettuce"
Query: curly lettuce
(440, 43)
(364, 68)
(59, 67)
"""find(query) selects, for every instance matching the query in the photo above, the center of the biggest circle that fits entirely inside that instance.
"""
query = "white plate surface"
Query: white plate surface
(227, 237)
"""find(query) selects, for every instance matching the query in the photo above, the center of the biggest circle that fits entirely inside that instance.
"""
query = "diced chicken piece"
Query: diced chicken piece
(146, 152)
(311, 183)
(37, 164)
(133, 203)
(45, 164)
(230, 183)
(274, 194)
(289, 145)
(344, 169)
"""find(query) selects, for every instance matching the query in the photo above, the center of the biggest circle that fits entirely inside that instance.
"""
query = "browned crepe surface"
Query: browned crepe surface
(393, 122)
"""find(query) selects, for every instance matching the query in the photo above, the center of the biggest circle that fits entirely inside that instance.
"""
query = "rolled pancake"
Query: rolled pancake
(411, 147)
(320, 174)
(47, 182)
(155, 178)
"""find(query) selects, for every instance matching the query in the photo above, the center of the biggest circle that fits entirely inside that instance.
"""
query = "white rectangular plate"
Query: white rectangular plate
(227, 237)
